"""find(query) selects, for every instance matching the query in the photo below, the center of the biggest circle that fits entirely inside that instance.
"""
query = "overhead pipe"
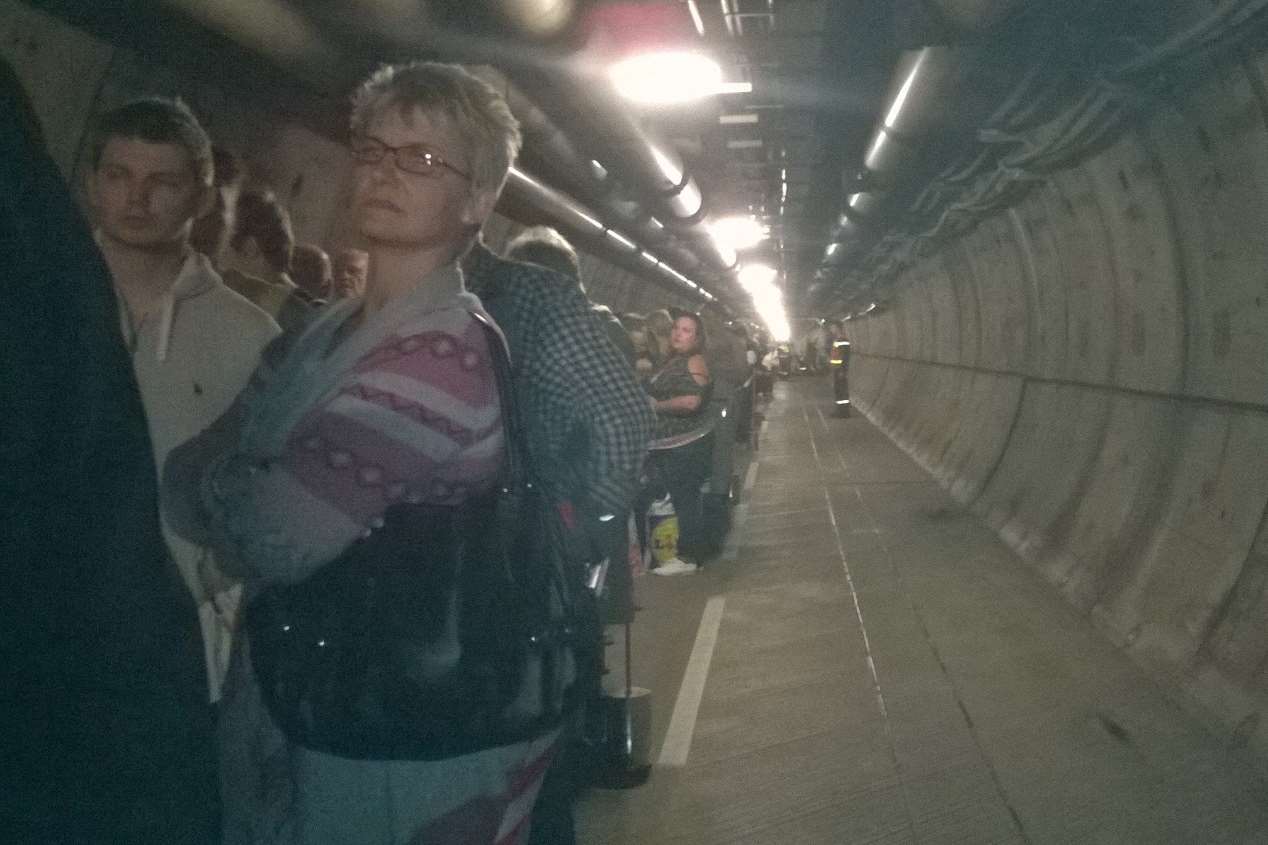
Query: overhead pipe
(581, 223)
(314, 33)
(669, 205)
(975, 15)
(641, 161)
(670, 216)
(920, 102)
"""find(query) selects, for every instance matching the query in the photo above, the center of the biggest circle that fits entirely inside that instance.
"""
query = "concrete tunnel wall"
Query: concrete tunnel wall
(1088, 373)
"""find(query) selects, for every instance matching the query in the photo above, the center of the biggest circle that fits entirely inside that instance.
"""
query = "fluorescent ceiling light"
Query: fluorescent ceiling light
(891, 118)
(768, 300)
(733, 119)
(695, 16)
(666, 78)
(735, 88)
(744, 144)
(755, 276)
(620, 239)
(738, 232)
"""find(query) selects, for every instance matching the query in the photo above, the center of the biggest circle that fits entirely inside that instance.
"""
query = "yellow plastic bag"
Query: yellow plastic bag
(662, 530)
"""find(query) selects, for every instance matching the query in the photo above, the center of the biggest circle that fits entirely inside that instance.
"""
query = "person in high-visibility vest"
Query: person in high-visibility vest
(839, 364)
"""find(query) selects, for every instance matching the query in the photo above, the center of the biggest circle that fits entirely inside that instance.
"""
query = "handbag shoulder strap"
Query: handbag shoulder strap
(514, 473)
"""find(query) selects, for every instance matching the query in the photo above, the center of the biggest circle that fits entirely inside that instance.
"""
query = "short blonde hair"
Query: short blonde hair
(478, 112)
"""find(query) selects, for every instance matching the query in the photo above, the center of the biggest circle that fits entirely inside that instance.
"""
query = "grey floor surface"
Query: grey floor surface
(887, 671)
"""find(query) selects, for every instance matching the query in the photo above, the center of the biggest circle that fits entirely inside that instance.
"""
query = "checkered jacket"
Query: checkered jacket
(587, 419)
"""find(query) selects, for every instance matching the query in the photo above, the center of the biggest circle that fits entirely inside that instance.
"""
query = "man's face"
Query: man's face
(433, 211)
(354, 268)
(145, 195)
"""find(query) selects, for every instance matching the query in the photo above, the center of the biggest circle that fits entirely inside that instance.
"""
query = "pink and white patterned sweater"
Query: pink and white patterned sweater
(404, 409)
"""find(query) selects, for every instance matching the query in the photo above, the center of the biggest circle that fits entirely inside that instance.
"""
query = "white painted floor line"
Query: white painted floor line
(822, 419)
(849, 580)
(858, 611)
(750, 477)
(682, 724)
(813, 446)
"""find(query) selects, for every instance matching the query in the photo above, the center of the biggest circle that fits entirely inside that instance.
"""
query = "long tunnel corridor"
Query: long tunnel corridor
(1088, 372)
(885, 670)
(1021, 595)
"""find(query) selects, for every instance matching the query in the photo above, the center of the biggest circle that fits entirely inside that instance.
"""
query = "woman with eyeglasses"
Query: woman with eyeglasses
(386, 397)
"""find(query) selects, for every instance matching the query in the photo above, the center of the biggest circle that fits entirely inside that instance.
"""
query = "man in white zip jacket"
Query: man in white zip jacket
(194, 342)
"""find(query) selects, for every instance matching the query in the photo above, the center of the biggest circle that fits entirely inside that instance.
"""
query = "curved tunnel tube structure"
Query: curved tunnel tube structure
(1088, 372)
(1085, 370)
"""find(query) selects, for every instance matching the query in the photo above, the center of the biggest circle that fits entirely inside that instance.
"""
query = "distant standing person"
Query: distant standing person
(257, 262)
(311, 270)
(211, 230)
(352, 269)
(544, 246)
(839, 364)
(679, 394)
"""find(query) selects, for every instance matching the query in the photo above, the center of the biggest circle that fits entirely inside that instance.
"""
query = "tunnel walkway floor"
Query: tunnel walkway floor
(869, 663)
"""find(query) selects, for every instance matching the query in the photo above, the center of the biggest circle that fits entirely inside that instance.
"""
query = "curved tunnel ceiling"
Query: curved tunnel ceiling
(813, 102)
(865, 142)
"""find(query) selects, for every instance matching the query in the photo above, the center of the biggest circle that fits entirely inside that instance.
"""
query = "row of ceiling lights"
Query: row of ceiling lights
(674, 77)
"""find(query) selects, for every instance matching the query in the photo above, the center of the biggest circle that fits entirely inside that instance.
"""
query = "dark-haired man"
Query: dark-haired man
(194, 342)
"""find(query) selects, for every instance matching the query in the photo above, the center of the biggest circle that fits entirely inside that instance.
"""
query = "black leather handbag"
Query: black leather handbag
(446, 631)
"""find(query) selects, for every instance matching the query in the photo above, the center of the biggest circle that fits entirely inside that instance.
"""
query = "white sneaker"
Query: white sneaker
(675, 567)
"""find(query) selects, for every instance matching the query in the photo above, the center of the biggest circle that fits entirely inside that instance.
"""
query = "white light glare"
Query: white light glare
(738, 232)
(768, 301)
(666, 78)
(756, 276)
(695, 17)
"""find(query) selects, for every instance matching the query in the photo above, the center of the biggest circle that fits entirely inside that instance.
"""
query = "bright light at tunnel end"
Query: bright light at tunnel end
(666, 78)
(738, 233)
(768, 300)
(756, 276)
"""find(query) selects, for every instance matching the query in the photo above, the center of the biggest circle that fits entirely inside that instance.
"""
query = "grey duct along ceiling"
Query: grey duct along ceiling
(799, 152)
(991, 103)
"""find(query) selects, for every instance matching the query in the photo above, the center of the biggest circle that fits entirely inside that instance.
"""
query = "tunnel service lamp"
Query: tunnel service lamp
(666, 78)
(768, 300)
(540, 18)
(755, 276)
(739, 232)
